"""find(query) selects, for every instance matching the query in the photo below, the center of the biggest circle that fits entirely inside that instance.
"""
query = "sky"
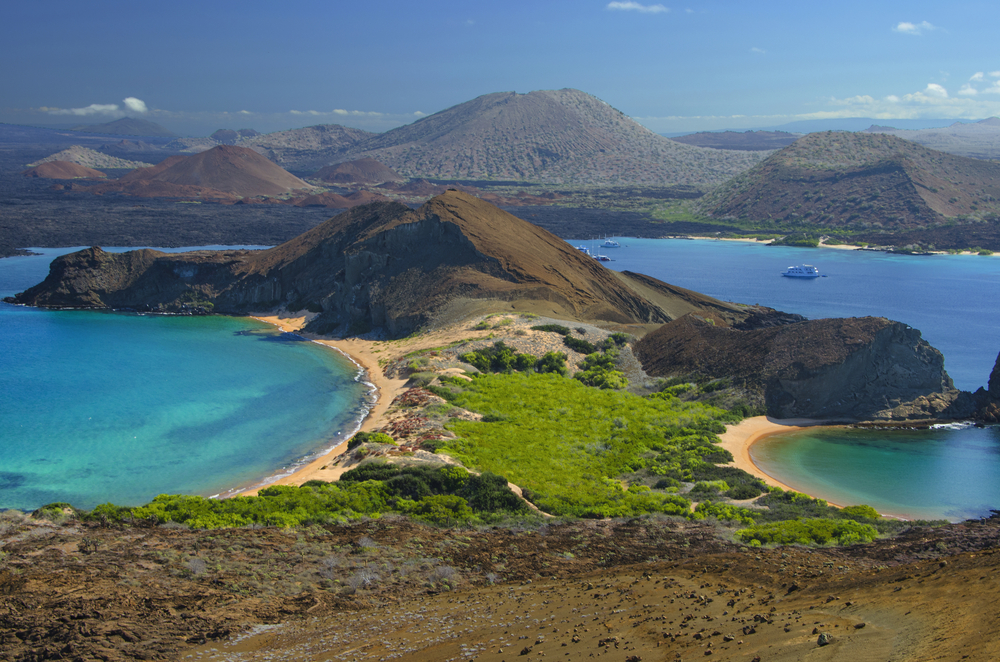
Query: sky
(195, 67)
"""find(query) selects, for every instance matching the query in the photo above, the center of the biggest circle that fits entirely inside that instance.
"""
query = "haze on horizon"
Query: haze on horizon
(197, 67)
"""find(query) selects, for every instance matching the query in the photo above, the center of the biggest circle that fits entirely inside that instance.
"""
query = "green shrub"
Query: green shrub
(499, 358)
(579, 345)
(860, 513)
(710, 487)
(554, 362)
(809, 532)
(369, 438)
(725, 512)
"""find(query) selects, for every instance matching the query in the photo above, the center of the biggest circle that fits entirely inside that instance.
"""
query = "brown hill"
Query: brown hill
(855, 369)
(237, 170)
(62, 170)
(748, 140)
(859, 181)
(384, 266)
(362, 171)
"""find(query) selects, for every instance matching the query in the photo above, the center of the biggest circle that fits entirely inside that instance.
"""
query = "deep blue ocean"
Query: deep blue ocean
(943, 473)
(98, 407)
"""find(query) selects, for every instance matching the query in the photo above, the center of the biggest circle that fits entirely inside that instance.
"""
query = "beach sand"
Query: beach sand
(365, 353)
(737, 439)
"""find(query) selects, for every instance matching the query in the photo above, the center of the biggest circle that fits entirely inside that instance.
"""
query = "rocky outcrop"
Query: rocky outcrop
(988, 399)
(381, 266)
(837, 369)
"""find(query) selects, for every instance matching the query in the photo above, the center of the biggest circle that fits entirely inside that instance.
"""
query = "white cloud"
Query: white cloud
(92, 109)
(245, 112)
(757, 50)
(976, 76)
(135, 105)
(935, 90)
(995, 74)
(914, 28)
(635, 6)
(968, 91)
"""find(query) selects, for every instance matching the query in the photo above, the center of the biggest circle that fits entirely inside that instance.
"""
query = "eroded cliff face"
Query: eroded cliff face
(835, 369)
(378, 266)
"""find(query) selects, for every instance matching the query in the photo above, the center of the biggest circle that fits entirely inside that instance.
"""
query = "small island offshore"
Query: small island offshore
(542, 475)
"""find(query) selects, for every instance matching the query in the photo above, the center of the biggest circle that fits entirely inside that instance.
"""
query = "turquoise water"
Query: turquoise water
(940, 473)
(916, 474)
(99, 407)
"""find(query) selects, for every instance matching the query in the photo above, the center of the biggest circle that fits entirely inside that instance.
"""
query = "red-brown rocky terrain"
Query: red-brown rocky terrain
(649, 588)
(63, 170)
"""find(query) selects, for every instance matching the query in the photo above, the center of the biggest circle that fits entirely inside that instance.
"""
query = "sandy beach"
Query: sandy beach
(366, 353)
(737, 439)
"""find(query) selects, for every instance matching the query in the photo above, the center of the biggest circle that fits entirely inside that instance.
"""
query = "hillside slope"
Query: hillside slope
(361, 270)
(859, 181)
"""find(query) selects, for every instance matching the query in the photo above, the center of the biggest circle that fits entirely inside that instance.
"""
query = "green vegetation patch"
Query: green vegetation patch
(439, 495)
(569, 446)
(808, 532)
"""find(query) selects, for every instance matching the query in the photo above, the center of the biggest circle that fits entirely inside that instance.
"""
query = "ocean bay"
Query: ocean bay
(938, 473)
(102, 407)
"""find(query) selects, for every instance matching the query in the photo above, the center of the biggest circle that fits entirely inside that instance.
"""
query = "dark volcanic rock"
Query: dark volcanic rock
(384, 266)
(857, 368)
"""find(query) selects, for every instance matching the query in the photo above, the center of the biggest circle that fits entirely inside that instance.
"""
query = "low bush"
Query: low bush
(369, 438)
(579, 345)
(819, 531)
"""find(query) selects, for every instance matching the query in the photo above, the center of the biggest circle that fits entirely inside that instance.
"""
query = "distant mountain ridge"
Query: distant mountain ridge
(552, 136)
(128, 126)
(860, 181)
(978, 140)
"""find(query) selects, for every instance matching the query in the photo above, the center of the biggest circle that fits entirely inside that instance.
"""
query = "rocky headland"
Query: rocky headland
(852, 369)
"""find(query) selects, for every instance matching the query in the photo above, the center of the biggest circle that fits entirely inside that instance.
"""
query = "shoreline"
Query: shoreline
(363, 354)
(739, 438)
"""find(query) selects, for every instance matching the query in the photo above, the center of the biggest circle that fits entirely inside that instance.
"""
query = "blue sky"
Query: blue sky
(198, 66)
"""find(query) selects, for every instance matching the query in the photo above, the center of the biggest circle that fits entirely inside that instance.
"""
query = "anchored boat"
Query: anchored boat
(802, 271)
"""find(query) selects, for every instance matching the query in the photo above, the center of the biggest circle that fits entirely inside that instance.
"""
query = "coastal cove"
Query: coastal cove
(101, 407)
(948, 472)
